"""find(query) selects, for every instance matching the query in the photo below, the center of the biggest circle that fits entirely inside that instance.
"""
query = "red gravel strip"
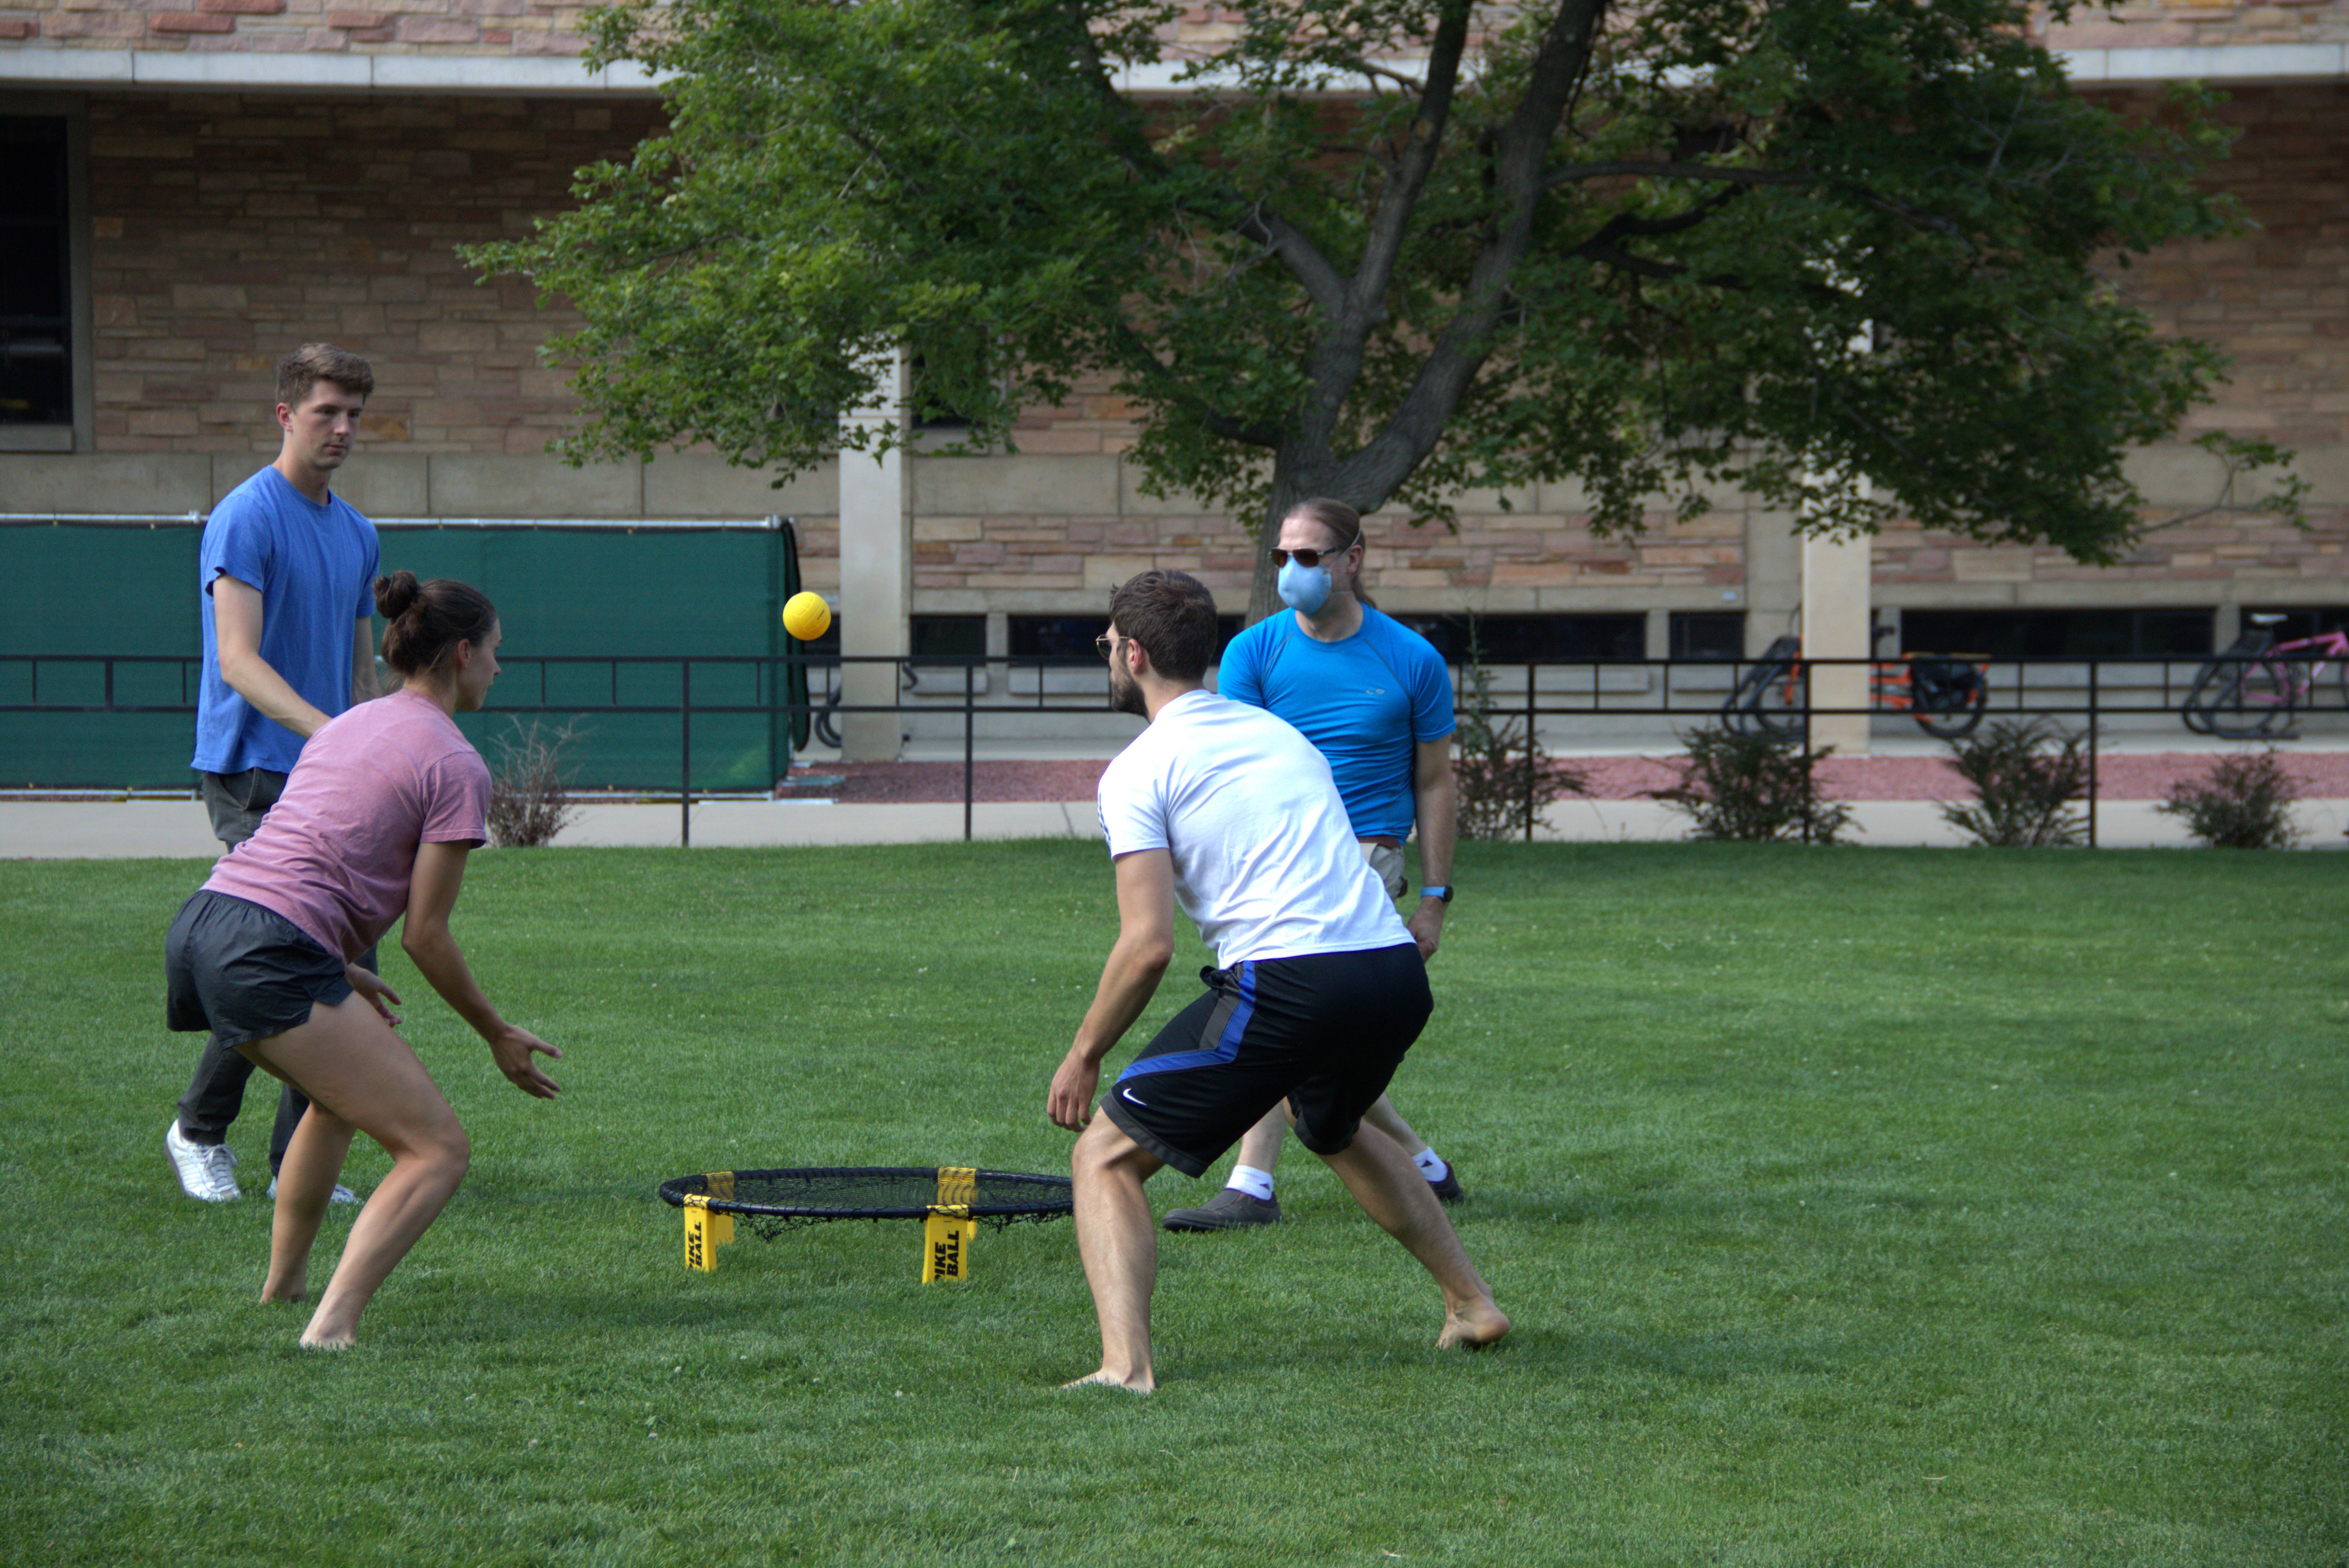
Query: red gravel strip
(2120, 776)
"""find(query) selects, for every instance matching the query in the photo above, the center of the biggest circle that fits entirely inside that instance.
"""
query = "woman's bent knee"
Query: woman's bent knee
(443, 1149)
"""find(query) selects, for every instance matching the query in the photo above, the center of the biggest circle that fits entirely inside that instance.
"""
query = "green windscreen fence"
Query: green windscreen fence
(607, 629)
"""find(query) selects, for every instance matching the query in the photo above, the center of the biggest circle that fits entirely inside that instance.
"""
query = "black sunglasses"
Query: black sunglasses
(1310, 557)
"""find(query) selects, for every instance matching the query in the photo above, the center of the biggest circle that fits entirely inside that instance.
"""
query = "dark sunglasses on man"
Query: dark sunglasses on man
(1309, 558)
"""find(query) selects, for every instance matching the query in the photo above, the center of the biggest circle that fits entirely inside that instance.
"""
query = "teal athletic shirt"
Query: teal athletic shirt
(1365, 702)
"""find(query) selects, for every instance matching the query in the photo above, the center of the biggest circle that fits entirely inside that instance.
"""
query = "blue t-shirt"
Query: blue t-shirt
(1365, 702)
(315, 567)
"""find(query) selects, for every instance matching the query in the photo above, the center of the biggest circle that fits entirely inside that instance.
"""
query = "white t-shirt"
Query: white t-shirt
(1265, 861)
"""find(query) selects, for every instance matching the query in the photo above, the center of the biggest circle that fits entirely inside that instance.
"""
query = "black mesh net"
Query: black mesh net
(773, 1202)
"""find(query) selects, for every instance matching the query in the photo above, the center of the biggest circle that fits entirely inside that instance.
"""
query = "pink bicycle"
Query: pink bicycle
(2247, 691)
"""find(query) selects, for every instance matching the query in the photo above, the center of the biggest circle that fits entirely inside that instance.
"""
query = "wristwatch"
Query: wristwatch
(1439, 892)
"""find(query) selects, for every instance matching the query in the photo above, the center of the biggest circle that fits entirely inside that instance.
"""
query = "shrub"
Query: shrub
(2027, 780)
(1756, 788)
(2244, 803)
(530, 800)
(1502, 774)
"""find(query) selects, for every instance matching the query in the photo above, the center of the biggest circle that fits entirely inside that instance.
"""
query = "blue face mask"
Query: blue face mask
(1303, 588)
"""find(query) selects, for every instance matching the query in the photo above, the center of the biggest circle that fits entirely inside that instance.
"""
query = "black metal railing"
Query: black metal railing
(1542, 695)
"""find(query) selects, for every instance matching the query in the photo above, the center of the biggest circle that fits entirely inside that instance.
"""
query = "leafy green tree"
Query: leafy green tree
(1386, 250)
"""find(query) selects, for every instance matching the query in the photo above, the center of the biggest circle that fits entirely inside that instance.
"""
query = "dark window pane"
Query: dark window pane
(32, 280)
(1535, 639)
(2173, 634)
(1708, 635)
(2058, 634)
(1072, 636)
(32, 387)
(949, 636)
(32, 169)
(1057, 636)
(36, 364)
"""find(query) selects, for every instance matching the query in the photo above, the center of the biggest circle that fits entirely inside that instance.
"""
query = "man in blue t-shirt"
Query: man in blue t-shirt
(1375, 699)
(285, 577)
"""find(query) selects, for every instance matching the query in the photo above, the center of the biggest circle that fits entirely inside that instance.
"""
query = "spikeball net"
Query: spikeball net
(951, 1200)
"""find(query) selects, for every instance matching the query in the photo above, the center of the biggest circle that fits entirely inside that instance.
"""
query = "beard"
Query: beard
(1126, 696)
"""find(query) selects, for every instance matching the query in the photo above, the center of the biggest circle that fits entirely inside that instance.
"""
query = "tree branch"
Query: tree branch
(1556, 76)
(1653, 169)
(1139, 357)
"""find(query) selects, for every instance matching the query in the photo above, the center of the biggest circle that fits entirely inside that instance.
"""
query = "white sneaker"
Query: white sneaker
(341, 1194)
(207, 1171)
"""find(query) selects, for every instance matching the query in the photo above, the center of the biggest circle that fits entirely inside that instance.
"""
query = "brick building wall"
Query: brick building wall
(2201, 24)
(228, 228)
(513, 27)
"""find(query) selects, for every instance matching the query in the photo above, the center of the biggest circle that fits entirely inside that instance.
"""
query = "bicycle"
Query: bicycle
(1946, 694)
(2243, 692)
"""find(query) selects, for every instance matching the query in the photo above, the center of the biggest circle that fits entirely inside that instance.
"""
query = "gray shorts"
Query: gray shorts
(238, 801)
(243, 972)
(1387, 860)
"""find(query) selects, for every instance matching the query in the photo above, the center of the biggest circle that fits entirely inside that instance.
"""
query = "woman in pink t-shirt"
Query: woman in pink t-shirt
(376, 821)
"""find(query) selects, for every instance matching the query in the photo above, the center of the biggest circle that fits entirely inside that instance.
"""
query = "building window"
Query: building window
(1072, 636)
(1708, 635)
(2299, 620)
(2166, 633)
(949, 636)
(1535, 639)
(37, 346)
(1056, 636)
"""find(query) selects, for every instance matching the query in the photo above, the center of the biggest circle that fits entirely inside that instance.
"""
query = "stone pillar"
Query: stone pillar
(1836, 583)
(1773, 578)
(876, 577)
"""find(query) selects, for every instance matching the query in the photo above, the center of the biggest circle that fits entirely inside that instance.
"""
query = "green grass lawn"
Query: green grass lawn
(1854, 1206)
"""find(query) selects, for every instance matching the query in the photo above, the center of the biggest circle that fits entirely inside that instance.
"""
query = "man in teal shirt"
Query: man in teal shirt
(1375, 699)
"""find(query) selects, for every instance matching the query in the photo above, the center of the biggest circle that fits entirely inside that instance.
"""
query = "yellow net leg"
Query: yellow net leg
(946, 1246)
(948, 1233)
(704, 1232)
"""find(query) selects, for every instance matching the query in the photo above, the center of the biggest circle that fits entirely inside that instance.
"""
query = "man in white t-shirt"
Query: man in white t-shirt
(1317, 990)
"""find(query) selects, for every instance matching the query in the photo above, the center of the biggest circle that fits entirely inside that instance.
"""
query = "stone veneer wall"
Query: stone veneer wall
(513, 27)
(2202, 24)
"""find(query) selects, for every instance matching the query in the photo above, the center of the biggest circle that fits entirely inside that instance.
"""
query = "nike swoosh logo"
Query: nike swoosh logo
(1130, 1094)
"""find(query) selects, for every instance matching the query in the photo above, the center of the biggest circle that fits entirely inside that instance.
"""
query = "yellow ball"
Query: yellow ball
(806, 616)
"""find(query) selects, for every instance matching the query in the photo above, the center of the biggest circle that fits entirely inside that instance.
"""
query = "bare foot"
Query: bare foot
(322, 1334)
(298, 1289)
(1107, 1379)
(1472, 1327)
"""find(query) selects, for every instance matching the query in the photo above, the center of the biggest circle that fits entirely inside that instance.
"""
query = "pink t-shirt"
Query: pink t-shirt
(334, 853)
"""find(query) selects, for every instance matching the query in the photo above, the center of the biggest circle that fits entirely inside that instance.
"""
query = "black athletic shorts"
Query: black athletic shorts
(1326, 1031)
(243, 972)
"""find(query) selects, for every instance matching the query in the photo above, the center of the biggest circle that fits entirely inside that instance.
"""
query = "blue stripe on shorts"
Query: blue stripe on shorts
(1227, 1046)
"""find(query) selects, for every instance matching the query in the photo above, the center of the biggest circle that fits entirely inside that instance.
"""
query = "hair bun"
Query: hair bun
(394, 595)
